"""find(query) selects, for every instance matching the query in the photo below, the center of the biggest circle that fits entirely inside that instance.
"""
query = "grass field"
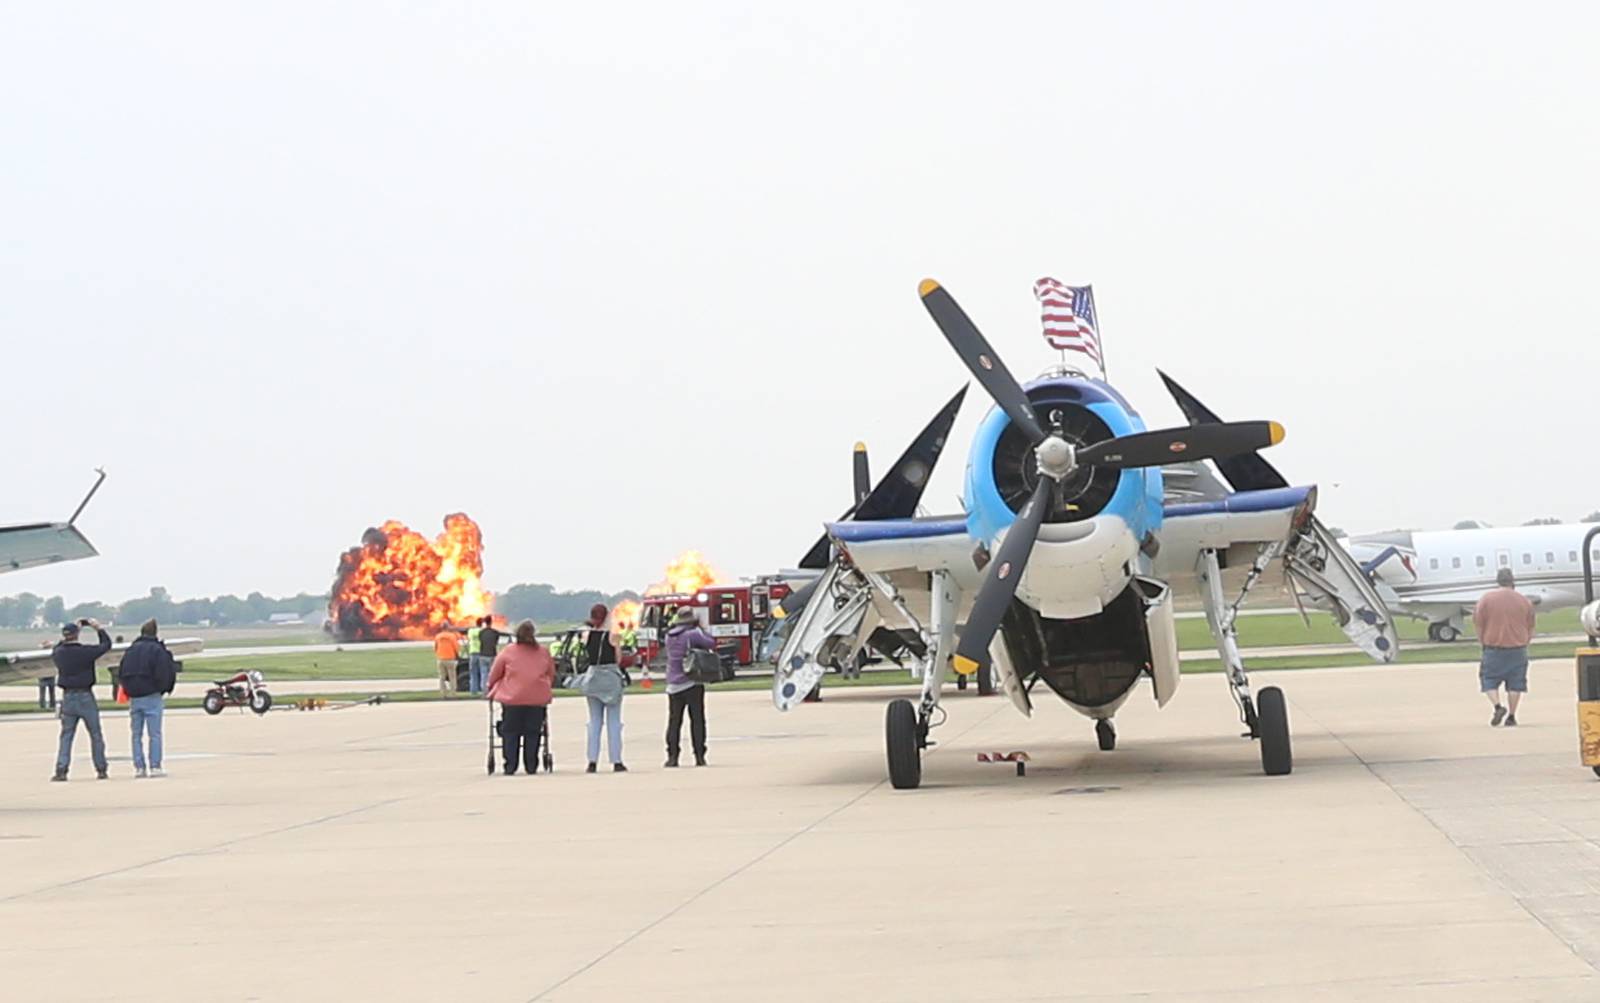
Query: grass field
(362, 662)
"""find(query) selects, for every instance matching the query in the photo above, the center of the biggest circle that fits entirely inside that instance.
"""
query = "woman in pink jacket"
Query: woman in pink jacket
(521, 679)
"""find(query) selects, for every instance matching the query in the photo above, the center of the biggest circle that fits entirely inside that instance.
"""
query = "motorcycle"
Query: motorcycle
(247, 689)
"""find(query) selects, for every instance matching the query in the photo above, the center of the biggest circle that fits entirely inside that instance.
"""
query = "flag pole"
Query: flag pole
(1099, 340)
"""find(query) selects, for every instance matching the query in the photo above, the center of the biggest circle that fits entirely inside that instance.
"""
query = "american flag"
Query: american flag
(1069, 320)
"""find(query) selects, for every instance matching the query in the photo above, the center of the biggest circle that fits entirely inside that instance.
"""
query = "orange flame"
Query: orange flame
(625, 613)
(397, 584)
(688, 572)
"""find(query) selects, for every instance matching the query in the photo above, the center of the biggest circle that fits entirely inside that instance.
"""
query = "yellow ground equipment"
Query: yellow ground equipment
(1589, 664)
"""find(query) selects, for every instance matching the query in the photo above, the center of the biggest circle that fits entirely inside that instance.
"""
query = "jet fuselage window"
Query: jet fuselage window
(1549, 557)
(1527, 558)
(1481, 561)
(1572, 555)
(1433, 564)
(1455, 562)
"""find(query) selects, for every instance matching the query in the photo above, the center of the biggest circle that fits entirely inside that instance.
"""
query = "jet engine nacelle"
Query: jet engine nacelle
(1589, 616)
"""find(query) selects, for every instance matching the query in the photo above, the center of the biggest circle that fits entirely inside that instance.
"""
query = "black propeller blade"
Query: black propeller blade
(980, 358)
(1172, 445)
(861, 473)
(1005, 571)
(1244, 472)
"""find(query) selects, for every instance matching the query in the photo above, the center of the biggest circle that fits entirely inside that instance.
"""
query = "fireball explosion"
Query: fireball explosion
(397, 585)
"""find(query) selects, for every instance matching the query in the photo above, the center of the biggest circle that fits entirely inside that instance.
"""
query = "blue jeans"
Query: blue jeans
(610, 714)
(80, 705)
(145, 712)
(478, 667)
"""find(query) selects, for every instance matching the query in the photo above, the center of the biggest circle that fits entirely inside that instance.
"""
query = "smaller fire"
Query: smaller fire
(626, 614)
(688, 572)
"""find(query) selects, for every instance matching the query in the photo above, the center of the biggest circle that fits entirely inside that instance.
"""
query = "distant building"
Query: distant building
(285, 620)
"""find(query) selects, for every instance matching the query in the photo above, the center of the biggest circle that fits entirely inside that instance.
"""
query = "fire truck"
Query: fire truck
(738, 616)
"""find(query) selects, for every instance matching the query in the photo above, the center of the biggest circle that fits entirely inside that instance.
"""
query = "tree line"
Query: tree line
(538, 602)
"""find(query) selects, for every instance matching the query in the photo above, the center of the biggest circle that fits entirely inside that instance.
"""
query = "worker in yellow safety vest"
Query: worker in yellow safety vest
(477, 672)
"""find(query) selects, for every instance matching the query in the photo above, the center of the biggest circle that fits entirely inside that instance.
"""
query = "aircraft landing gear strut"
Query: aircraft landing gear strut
(1267, 720)
(906, 724)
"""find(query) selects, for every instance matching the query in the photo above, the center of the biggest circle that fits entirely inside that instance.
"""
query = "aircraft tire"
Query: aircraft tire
(1433, 632)
(985, 681)
(1448, 632)
(1106, 734)
(900, 739)
(1277, 757)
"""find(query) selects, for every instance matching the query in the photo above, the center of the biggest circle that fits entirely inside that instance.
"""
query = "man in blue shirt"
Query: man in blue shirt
(75, 676)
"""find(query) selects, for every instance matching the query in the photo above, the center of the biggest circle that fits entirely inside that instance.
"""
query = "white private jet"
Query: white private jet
(1061, 566)
(1439, 576)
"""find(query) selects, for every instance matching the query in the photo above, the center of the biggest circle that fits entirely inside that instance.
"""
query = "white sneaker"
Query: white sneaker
(139, 774)
(156, 771)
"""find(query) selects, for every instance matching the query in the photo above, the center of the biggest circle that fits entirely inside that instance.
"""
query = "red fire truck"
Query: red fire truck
(736, 615)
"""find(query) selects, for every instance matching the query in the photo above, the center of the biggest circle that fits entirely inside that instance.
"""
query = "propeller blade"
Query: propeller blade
(1005, 571)
(861, 473)
(980, 358)
(1173, 445)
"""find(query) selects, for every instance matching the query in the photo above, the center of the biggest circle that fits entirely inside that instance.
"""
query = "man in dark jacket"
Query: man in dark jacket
(148, 675)
(75, 676)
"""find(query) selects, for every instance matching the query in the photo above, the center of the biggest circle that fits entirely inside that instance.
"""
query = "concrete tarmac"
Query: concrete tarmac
(1414, 854)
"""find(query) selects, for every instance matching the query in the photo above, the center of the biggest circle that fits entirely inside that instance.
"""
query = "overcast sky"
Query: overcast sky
(618, 280)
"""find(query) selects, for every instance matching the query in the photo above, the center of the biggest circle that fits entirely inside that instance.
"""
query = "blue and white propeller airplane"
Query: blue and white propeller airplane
(1061, 568)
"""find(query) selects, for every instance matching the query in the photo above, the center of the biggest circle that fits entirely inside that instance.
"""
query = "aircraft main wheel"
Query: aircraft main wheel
(1433, 632)
(1106, 733)
(900, 738)
(1277, 758)
(212, 703)
(1596, 770)
(961, 681)
(985, 681)
(1448, 632)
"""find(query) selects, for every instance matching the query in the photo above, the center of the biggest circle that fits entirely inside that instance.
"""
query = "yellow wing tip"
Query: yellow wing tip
(861, 447)
(965, 666)
(1274, 432)
(926, 286)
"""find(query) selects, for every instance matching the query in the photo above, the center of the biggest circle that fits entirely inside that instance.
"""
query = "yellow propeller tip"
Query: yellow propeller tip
(1274, 432)
(926, 286)
(964, 666)
(861, 447)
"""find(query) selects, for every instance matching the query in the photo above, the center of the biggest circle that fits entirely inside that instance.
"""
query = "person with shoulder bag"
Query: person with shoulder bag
(686, 692)
(602, 685)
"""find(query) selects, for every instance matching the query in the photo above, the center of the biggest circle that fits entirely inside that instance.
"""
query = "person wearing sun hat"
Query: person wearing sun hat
(684, 693)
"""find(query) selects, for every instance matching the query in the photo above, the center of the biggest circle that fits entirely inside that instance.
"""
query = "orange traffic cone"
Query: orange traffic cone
(646, 682)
